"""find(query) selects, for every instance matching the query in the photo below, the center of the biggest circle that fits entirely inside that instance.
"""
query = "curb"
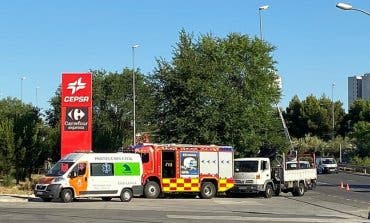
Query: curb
(16, 198)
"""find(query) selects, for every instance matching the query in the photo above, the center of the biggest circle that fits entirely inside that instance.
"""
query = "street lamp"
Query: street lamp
(345, 6)
(22, 78)
(332, 102)
(264, 7)
(37, 103)
(133, 88)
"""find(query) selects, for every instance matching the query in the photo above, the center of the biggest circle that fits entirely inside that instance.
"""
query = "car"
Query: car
(326, 165)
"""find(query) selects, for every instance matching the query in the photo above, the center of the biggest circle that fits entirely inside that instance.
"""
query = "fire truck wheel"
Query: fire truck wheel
(66, 195)
(126, 195)
(151, 190)
(208, 190)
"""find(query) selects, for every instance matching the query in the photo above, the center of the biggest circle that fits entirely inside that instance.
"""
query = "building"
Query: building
(358, 88)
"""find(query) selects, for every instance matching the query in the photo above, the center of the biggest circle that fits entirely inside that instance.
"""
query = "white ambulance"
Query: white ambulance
(82, 175)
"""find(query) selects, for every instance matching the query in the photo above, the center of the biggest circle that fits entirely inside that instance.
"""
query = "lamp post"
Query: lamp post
(133, 89)
(332, 108)
(22, 78)
(345, 6)
(37, 102)
(264, 7)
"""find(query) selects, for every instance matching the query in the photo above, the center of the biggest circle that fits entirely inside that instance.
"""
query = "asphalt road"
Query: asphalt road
(327, 203)
(359, 189)
(245, 209)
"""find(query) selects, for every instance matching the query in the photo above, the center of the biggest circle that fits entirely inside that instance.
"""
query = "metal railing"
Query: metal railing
(354, 168)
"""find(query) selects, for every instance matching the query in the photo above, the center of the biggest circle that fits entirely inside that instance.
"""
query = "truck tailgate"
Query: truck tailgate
(300, 174)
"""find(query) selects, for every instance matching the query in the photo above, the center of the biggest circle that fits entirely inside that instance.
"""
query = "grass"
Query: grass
(14, 190)
(23, 188)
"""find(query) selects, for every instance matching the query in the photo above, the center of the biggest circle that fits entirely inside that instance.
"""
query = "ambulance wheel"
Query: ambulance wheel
(126, 195)
(106, 198)
(66, 195)
(208, 190)
(151, 190)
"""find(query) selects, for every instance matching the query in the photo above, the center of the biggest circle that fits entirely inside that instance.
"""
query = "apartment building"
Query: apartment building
(358, 88)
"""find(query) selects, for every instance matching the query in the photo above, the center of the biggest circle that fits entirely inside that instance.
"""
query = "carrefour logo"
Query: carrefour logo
(76, 119)
(76, 114)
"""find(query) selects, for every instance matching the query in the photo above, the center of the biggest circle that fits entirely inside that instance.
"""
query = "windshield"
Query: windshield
(328, 161)
(246, 166)
(59, 169)
(304, 165)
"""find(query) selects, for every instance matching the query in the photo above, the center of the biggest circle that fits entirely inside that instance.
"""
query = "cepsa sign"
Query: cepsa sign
(76, 89)
(76, 112)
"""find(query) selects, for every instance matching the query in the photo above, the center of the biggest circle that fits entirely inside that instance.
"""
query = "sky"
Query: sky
(316, 43)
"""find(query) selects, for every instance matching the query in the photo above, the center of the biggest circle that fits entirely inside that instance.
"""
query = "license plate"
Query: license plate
(243, 188)
(39, 193)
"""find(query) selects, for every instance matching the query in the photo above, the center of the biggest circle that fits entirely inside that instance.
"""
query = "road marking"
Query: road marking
(263, 219)
(321, 183)
(244, 202)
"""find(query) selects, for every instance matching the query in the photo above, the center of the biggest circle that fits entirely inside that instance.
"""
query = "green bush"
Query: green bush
(360, 161)
(8, 181)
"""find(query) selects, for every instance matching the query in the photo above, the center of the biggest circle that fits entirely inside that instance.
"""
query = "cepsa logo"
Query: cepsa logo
(76, 89)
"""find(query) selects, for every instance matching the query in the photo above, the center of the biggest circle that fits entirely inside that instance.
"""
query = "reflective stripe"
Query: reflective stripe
(192, 184)
(225, 184)
(180, 184)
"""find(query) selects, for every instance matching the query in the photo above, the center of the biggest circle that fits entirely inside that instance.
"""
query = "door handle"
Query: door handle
(85, 178)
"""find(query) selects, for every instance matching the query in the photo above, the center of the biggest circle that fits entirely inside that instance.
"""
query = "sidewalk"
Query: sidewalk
(16, 198)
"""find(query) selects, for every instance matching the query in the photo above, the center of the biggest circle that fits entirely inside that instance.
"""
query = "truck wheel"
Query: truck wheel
(46, 199)
(268, 191)
(319, 171)
(208, 190)
(66, 195)
(126, 195)
(299, 190)
(151, 190)
(106, 198)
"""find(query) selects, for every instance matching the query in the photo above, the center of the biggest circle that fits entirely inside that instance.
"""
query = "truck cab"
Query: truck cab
(253, 175)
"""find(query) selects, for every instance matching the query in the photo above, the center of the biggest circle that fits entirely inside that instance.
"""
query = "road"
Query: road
(327, 204)
(359, 189)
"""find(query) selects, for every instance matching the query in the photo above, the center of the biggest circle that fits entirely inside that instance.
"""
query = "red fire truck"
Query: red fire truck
(178, 168)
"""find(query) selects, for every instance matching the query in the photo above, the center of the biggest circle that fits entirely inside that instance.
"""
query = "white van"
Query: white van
(326, 165)
(105, 175)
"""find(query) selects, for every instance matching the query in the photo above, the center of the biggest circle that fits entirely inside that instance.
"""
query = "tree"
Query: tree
(24, 120)
(294, 118)
(6, 145)
(218, 91)
(314, 117)
(361, 134)
(113, 108)
(359, 111)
